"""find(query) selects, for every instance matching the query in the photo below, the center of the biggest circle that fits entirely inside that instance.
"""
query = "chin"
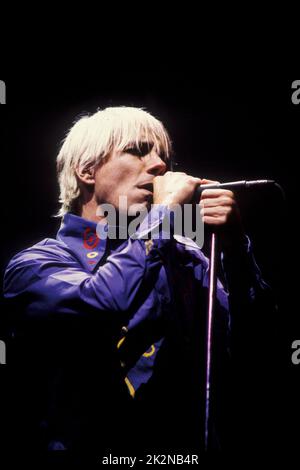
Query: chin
(138, 207)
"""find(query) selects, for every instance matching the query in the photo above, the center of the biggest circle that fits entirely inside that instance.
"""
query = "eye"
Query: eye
(139, 151)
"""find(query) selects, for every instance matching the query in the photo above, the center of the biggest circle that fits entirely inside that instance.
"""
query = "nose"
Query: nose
(155, 165)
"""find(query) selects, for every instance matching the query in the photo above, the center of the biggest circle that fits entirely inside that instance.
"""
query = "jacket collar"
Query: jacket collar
(82, 237)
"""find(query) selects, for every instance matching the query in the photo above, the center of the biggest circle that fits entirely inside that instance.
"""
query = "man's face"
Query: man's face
(129, 173)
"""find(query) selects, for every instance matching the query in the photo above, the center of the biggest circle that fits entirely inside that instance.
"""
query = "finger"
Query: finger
(218, 201)
(218, 211)
(197, 180)
(206, 193)
(192, 180)
(205, 181)
(214, 220)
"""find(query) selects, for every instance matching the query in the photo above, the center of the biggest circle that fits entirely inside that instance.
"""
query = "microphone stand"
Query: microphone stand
(212, 289)
(209, 333)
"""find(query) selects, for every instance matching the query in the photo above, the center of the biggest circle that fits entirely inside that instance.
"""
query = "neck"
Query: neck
(88, 210)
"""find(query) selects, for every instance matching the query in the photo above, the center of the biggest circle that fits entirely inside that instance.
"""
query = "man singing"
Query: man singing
(109, 331)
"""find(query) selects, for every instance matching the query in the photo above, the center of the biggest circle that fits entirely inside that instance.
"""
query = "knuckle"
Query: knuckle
(227, 200)
(205, 193)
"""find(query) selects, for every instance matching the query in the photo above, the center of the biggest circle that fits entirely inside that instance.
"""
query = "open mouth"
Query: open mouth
(147, 186)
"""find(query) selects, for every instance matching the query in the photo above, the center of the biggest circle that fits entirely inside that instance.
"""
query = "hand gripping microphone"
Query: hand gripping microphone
(233, 185)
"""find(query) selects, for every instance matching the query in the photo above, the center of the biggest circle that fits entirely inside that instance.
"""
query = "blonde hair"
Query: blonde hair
(92, 138)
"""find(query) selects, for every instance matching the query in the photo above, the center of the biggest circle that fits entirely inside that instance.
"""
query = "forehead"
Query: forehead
(145, 143)
(135, 135)
(138, 131)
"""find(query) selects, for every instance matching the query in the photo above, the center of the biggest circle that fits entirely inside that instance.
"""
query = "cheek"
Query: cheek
(114, 180)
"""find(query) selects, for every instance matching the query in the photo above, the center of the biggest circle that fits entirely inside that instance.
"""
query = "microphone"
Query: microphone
(233, 185)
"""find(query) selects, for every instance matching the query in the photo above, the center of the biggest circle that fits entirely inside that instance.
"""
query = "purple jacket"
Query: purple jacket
(146, 291)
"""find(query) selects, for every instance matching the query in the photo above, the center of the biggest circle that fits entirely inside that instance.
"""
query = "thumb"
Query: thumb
(205, 181)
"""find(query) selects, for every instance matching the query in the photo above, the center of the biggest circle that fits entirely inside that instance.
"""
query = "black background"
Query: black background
(228, 128)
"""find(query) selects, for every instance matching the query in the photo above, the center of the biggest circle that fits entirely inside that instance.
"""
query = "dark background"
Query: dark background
(226, 129)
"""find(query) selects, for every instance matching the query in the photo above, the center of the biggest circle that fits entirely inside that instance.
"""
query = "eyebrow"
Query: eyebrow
(140, 149)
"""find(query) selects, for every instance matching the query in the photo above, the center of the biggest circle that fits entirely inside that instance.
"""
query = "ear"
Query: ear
(86, 174)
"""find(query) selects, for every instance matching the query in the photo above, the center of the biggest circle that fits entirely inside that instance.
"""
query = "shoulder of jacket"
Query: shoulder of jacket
(46, 247)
